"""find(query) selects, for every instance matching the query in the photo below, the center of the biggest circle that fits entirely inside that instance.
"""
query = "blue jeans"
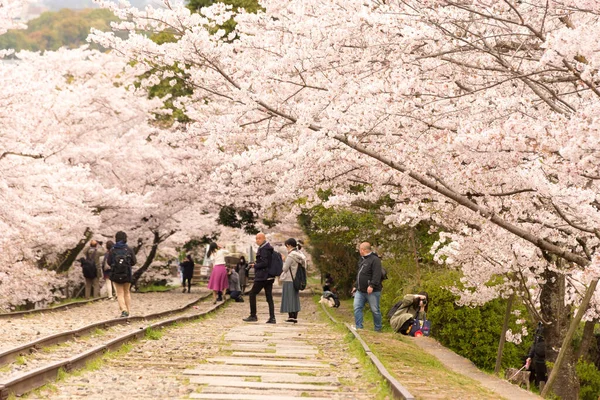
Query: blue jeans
(360, 299)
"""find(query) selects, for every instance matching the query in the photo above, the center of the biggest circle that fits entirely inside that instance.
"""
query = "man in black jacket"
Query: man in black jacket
(262, 279)
(367, 286)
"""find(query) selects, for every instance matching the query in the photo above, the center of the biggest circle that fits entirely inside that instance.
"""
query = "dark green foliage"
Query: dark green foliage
(193, 244)
(238, 218)
(53, 30)
(471, 332)
(589, 379)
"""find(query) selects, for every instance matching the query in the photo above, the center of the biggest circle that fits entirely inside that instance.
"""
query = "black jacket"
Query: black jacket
(369, 273)
(263, 259)
(188, 269)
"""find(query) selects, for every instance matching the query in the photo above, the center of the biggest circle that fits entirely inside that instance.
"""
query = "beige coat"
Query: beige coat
(290, 265)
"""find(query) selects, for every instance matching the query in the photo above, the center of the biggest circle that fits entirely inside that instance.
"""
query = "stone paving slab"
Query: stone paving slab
(266, 376)
(228, 382)
(258, 362)
(273, 355)
(238, 396)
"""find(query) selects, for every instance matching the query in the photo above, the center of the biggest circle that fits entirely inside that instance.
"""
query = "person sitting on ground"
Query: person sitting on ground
(235, 291)
(188, 272)
(329, 283)
(403, 313)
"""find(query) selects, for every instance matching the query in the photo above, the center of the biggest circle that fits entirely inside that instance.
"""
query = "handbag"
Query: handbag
(421, 325)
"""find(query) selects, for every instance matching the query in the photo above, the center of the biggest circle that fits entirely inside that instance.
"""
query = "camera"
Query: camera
(424, 302)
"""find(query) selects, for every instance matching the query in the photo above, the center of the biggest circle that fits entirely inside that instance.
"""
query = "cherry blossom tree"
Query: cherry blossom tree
(477, 116)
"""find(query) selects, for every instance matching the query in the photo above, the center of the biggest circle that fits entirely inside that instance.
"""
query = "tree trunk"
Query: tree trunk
(503, 334)
(558, 316)
(586, 340)
(414, 246)
(155, 242)
(66, 259)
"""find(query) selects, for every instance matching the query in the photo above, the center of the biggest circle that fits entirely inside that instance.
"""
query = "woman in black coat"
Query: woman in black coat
(188, 272)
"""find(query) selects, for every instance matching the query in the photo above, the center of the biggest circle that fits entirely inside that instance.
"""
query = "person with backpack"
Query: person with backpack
(404, 312)
(218, 277)
(92, 269)
(121, 259)
(367, 287)
(188, 273)
(242, 269)
(536, 358)
(264, 276)
(106, 270)
(290, 295)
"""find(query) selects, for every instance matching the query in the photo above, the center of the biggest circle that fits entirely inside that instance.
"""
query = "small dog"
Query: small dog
(513, 375)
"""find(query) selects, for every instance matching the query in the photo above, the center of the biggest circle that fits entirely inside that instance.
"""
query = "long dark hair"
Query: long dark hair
(212, 248)
(292, 243)
(242, 260)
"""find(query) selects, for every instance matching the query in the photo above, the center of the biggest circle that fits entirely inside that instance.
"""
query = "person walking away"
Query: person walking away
(536, 358)
(218, 278)
(188, 272)
(290, 297)
(262, 279)
(242, 269)
(235, 291)
(106, 270)
(92, 269)
(403, 313)
(367, 287)
(121, 260)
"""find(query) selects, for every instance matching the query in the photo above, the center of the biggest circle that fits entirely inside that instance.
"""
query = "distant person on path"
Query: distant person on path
(262, 279)
(290, 297)
(536, 358)
(367, 286)
(188, 272)
(242, 269)
(106, 270)
(218, 277)
(235, 291)
(92, 268)
(329, 283)
(121, 260)
(411, 307)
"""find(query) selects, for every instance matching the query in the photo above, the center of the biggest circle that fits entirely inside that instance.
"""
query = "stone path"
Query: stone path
(222, 357)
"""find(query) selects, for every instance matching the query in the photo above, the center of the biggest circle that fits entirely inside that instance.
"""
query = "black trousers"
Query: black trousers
(256, 288)
(189, 283)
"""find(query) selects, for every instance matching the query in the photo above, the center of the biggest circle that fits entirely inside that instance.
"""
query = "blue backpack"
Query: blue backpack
(276, 264)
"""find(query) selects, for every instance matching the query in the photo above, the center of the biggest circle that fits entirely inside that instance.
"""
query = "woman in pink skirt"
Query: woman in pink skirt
(218, 278)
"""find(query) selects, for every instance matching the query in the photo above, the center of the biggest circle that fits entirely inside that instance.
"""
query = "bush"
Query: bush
(589, 379)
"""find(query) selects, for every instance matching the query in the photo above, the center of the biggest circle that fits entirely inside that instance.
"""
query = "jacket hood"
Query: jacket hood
(297, 256)
(120, 245)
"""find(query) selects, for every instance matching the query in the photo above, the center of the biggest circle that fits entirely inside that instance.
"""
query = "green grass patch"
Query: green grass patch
(155, 288)
(153, 334)
(20, 360)
(5, 369)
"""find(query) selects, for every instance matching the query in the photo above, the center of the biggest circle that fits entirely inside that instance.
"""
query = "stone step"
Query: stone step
(228, 382)
(264, 376)
(239, 396)
(276, 354)
(257, 361)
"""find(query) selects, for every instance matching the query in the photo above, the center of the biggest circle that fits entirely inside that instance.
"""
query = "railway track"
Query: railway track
(62, 307)
(42, 365)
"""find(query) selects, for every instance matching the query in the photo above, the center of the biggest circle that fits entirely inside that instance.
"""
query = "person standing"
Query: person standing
(188, 272)
(290, 297)
(235, 291)
(218, 277)
(242, 269)
(121, 260)
(262, 279)
(106, 270)
(367, 287)
(536, 358)
(92, 269)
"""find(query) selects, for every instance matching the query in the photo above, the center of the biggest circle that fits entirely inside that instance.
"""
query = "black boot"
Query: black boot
(271, 320)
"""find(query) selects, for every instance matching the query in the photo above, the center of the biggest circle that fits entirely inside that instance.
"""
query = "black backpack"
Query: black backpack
(300, 278)
(88, 265)
(276, 264)
(120, 265)
(384, 275)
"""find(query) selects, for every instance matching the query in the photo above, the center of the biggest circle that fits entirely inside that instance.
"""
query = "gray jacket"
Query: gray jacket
(290, 265)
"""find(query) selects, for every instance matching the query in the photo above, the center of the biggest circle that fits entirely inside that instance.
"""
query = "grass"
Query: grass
(153, 334)
(155, 288)
(409, 364)
(20, 360)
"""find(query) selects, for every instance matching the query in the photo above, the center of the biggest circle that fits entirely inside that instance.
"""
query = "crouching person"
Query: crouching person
(411, 307)
(235, 291)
